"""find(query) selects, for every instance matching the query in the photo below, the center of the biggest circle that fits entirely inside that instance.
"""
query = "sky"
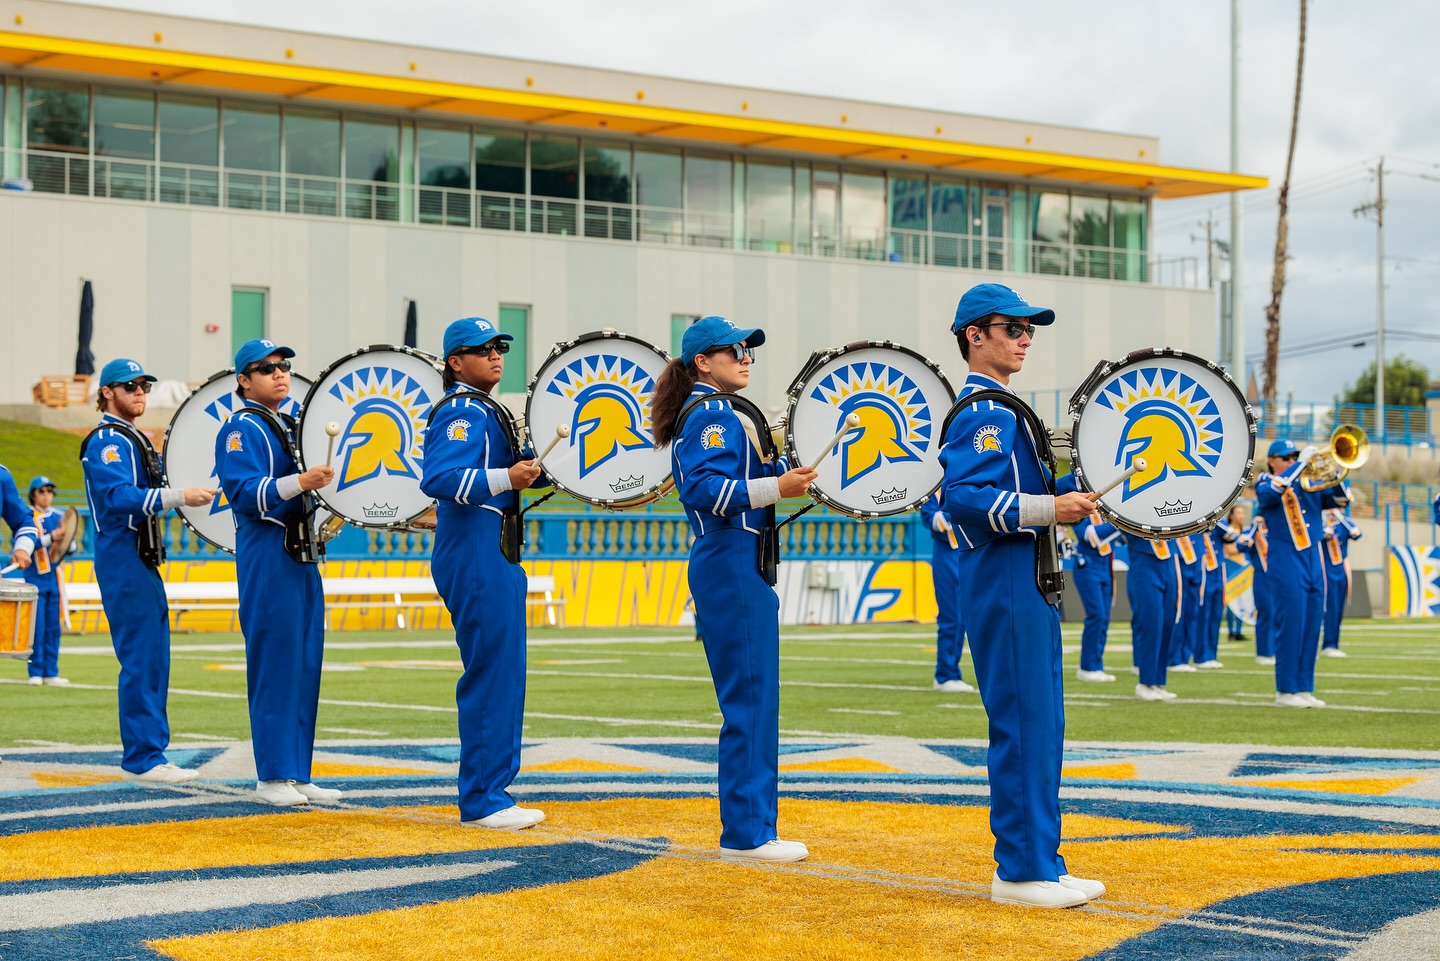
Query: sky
(1153, 67)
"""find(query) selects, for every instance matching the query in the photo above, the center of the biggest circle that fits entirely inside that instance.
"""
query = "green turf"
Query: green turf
(1394, 668)
(28, 450)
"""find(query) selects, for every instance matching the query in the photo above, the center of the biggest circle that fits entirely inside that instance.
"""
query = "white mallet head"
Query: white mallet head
(853, 420)
(1139, 464)
(562, 431)
(332, 429)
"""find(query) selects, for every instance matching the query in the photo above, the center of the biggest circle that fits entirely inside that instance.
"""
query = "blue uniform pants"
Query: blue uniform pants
(1186, 640)
(739, 617)
(1095, 583)
(485, 595)
(1213, 608)
(949, 625)
(1337, 592)
(1297, 588)
(1151, 586)
(282, 615)
(45, 657)
(1264, 615)
(135, 606)
(1234, 627)
(1015, 644)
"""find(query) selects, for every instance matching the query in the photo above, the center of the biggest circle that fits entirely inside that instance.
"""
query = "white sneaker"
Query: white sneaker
(1147, 693)
(314, 792)
(1091, 889)
(1135, 669)
(1291, 700)
(1267, 661)
(1035, 894)
(513, 818)
(35, 681)
(282, 794)
(774, 852)
(166, 773)
(1332, 652)
(1311, 698)
(1211, 665)
(1180, 669)
(1094, 675)
(56, 682)
(956, 686)
(1164, 694)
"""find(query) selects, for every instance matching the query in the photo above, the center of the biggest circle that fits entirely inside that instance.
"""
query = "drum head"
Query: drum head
(189, 453)
(380, 397)
(889, 463)
(599, 387)
(1188, 421)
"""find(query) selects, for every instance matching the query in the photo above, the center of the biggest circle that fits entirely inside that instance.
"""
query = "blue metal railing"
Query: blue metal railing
(1404, 426)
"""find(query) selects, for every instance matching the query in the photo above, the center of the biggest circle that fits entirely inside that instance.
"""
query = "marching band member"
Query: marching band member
(1230, 531)
(474, 472)
(122, 484)
(282, 601)
(728, 491)
(1188, 615)
(45, 658)
(1212, 600)
(1153, 587)
(1339, 532)
(1255, 542)
(1094, 572)
(999, 495)
(1295, 574)
(949, 623)
(23, 533)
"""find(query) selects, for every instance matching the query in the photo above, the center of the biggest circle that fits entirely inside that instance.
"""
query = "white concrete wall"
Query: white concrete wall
(162, 273)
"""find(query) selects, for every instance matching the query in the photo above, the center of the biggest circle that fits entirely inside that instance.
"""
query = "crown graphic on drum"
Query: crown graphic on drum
(627, 484)
(892, 496)
(1174, 508)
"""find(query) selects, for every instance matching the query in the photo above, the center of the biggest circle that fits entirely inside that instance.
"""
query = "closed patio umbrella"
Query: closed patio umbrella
(412, 325)
(84, 358)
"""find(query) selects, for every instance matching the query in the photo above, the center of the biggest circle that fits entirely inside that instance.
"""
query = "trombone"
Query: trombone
(1349, 448)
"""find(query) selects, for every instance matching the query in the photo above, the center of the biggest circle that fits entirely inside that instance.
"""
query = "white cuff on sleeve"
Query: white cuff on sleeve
(24, 543)
(171, 498)
(498, 479)
(939, 523)
(1037, 510)
(763, 491)
(288, 487)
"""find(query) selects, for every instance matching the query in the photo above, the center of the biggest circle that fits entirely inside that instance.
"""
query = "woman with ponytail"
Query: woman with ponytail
(728, 490)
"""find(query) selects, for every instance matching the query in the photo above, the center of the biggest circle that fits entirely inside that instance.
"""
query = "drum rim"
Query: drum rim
(165, 451)
(1163, 532)
(652, 493)
(397, 524)
(825, 356)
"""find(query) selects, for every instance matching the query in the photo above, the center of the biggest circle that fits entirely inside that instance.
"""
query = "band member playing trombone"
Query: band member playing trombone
(727, 489)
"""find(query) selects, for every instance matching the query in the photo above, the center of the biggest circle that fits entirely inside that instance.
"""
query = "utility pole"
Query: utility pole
(1378, 205)
(1211, 246)
(1237, 226)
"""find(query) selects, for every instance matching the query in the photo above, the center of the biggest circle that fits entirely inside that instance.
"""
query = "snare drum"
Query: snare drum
(18, 601)
(380, 397)
(189, 451)
(599, 386)
(891, 462)
(1189, 422)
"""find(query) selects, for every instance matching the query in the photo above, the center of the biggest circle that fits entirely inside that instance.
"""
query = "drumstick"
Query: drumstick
(852, 421)
(561, 433)
(8, 569)
(333, 430)
(1136, 467)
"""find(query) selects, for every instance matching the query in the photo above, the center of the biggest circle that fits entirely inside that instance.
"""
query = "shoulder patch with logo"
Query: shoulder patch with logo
(233, 441)
(713, 437)
(987, 438)
(110, 454)
(458, 430)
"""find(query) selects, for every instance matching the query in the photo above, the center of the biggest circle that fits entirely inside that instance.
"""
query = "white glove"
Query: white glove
(1308, 454)
(940, 523)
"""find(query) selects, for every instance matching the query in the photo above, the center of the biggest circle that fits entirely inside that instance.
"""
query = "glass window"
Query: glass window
(770, 206)
(312, 143)
(907, 203)
(949, 207)
(1052, 218)
(804, 233)
(125, 124)
(252, 136)
(827, 210)
(554, 166)
(607, 172)
(443, 157)
(657, 177)
(190, 131)
(372, 149)
(1090, 221)
(499, 161)
(1129, 220)
(707, 182)
(862, 211)
(57, 117)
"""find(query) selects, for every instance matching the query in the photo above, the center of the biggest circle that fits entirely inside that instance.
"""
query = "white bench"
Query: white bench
(401, 593)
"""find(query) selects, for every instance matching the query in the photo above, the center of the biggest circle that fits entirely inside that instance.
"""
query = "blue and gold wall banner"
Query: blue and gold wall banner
(1414, 581)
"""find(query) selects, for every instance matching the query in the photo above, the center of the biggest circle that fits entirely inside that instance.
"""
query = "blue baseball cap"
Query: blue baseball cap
(471, 332)
(122, 370)
(982, 300)
(36, 483)
(1282, 447)
(715, 331)
(254, 351)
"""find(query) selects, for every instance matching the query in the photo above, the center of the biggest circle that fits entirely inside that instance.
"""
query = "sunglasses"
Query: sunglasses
(1013, 328)
(268, 367)
(739, 351)
(498, 346)
(131, 387)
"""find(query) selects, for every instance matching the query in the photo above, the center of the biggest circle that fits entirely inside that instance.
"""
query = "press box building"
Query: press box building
(218, 182)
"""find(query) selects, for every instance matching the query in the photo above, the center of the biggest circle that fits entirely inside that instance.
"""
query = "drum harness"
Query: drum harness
(300, 541)
(150, 542)
(1049, 574)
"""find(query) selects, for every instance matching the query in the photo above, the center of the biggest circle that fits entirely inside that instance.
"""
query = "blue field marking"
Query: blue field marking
(1268, 765)
(443, 753)
(181, 757)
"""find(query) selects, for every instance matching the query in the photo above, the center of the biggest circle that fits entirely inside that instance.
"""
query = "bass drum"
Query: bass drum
(1189, 422)
(598, 386)
(888, 464)
(380, 396)
(189, 451)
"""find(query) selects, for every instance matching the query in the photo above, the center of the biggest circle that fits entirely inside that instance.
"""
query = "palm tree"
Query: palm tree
(1282, 235)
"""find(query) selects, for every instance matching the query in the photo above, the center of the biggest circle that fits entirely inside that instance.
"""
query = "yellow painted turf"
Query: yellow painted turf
(844, 765)
(1107, 772)
(1340, 785)
(72, 779)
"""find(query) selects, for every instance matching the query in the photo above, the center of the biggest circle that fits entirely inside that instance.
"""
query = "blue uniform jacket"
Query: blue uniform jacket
(714, 463)
(1270, 492)
(463, 444)
(50, 522)
(1340, 535)
(119, 493)
(17, 514)
(251, 460)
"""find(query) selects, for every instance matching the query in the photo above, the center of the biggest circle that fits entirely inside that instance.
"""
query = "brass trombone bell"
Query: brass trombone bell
(1348, 449)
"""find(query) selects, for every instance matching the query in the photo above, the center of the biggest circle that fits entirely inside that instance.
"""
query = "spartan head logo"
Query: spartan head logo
(1166, 436)
(607, 420)
(879, 438)
(377, 440)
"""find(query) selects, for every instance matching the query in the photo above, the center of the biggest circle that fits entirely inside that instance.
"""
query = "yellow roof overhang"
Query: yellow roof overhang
(298, 82)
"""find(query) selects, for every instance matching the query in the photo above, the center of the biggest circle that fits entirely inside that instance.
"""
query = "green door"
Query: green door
(247, 316)
(515, 321)
(679, 323)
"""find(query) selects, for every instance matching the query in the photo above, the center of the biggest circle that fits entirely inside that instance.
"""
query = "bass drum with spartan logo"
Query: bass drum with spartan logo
(890, 462)
(1185, 418)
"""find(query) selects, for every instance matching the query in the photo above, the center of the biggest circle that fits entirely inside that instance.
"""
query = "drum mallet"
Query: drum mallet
(852, 421)
(8, 569)
(561, 433)
(332, 430)
(1136, 466)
